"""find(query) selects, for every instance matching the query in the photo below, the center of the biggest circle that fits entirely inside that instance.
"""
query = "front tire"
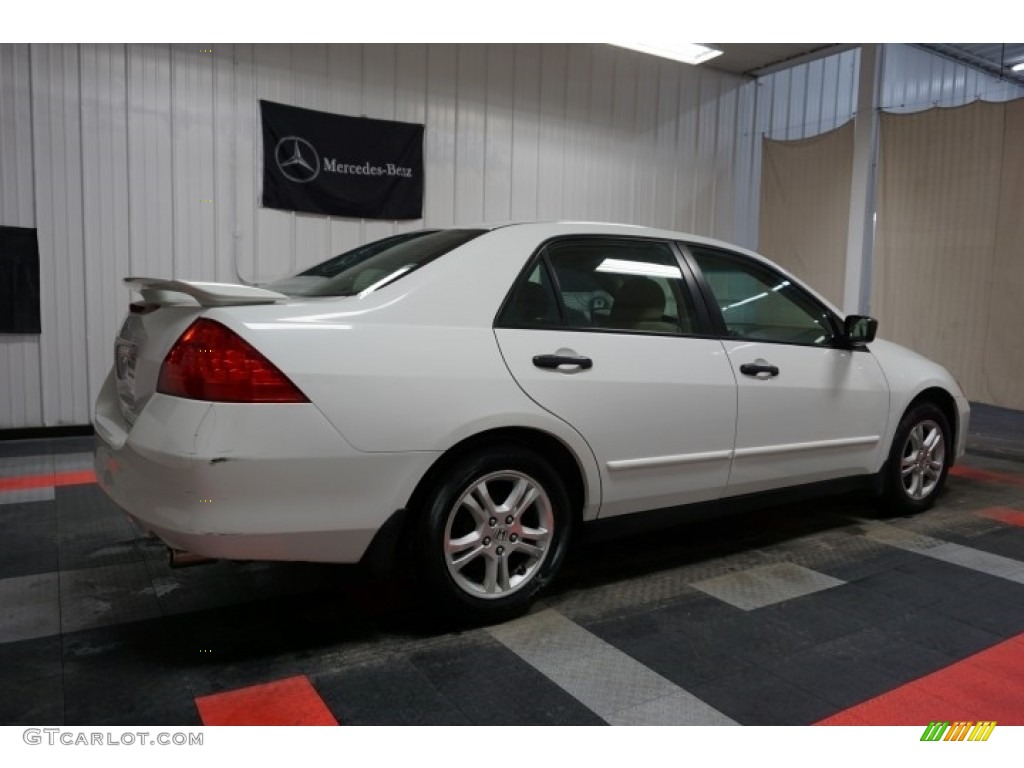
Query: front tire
(493, 533)
(918, 460)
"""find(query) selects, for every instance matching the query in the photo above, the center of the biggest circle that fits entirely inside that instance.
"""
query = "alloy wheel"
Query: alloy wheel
(922, 460)
(498, 534)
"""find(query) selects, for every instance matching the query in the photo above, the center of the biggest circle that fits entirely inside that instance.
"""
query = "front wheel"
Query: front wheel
(493, 533)
(918, 460)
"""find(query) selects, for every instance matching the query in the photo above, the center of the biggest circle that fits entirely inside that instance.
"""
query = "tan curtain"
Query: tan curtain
(805, 207)
(949, 243)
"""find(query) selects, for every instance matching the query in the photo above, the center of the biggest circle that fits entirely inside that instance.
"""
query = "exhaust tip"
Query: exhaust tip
(179, 558)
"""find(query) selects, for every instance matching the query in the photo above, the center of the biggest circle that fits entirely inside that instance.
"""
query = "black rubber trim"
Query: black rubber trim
(382, 557)
(37, 433)
(667, 517)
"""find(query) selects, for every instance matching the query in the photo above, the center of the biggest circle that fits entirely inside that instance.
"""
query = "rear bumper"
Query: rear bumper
(252, 482)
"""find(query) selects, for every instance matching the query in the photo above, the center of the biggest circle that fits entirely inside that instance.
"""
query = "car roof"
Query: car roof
(557, 227)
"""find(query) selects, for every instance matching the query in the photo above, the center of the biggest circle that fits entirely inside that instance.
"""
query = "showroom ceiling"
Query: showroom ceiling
(764, 58)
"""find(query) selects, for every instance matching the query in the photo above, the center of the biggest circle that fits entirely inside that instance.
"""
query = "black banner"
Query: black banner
(341, 166)
(19, 280)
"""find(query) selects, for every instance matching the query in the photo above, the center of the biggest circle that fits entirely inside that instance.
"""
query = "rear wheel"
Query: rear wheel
(493, 533)
(918, 460)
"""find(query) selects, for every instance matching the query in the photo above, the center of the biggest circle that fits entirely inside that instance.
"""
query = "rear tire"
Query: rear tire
(919, 460)
(492, 533)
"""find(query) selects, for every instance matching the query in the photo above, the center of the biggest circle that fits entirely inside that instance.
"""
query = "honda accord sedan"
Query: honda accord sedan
(464, 402)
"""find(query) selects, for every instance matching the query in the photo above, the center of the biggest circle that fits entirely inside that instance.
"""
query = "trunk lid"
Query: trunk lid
(152, 326)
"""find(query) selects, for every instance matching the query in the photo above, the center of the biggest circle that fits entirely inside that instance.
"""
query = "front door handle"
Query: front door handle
(555, 361)
(754, 369)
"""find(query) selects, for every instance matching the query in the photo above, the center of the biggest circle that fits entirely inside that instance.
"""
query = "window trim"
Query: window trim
(761, 269)
(704, 321)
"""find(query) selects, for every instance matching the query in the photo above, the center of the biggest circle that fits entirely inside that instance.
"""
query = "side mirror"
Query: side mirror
(859, 329)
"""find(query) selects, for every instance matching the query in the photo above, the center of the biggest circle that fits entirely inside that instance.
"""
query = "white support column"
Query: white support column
(860, 232)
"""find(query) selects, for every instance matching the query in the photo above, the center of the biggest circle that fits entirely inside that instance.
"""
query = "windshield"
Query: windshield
(374, 265)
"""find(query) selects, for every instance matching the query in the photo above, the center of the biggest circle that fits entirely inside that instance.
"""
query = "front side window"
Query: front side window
(374, 265)
(604, 284)
(759, 305)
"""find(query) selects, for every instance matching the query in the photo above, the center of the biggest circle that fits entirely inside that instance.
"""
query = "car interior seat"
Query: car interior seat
(640, 306)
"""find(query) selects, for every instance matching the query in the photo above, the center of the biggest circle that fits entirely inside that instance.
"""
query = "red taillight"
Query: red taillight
(212, 362)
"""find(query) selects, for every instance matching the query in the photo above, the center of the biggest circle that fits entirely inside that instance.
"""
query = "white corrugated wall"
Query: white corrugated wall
(820, 95)
(145, 160)
(915, 79)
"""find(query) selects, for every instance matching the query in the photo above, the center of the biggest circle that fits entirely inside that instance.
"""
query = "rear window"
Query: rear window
(374, 265)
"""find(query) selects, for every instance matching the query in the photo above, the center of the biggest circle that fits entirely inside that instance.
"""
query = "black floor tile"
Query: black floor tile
(927, 628)
(757, 696)
(25, 555)
(868, 605)
(29, 659)
(46, 445)
(28, 543)
(490, 685)
(125, 675)
(35, 701)
(997, 607)
(814, 617)
(685, 658)
(945, 578)
(31, 678)
(851, 569)
(890, 653)
(908, 590)
(834, 671)
(391, 692)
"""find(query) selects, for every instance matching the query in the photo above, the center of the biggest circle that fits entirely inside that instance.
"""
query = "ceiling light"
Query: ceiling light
(626, 267)
(688, 53)
(1018, 67)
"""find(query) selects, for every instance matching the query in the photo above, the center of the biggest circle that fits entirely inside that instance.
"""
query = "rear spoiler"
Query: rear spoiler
(158, 291)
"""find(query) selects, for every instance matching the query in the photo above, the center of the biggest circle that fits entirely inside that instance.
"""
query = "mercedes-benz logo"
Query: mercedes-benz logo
(297, 159)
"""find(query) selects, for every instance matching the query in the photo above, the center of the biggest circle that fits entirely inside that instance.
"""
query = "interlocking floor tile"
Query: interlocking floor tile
(29, 607)
(491, 685)
(389, 692)
(599, 675)
(765, 585)
(24, 495)
(97, 597)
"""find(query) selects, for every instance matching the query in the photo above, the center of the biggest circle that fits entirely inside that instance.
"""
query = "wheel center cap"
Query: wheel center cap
(500, 534)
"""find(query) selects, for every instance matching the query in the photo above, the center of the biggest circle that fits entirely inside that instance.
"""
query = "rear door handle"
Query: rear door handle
(555, 361)
(754, 369)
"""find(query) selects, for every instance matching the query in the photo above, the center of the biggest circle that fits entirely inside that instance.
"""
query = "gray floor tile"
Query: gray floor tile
(15, 466)
(72, 462)
(600, 676)
(766, 585)
(956, 554)
(22, 495)
(114, 594)
(28, 607)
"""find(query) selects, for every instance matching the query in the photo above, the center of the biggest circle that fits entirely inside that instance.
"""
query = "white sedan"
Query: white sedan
(462, 401)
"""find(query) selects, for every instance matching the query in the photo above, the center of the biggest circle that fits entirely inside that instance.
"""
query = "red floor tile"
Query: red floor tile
(986, 686)
(986, 475)
(292, 701)
(43, 481)
(1007, 515)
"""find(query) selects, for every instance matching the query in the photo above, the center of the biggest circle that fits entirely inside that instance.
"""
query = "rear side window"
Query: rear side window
(374, 265)
(604, 284)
